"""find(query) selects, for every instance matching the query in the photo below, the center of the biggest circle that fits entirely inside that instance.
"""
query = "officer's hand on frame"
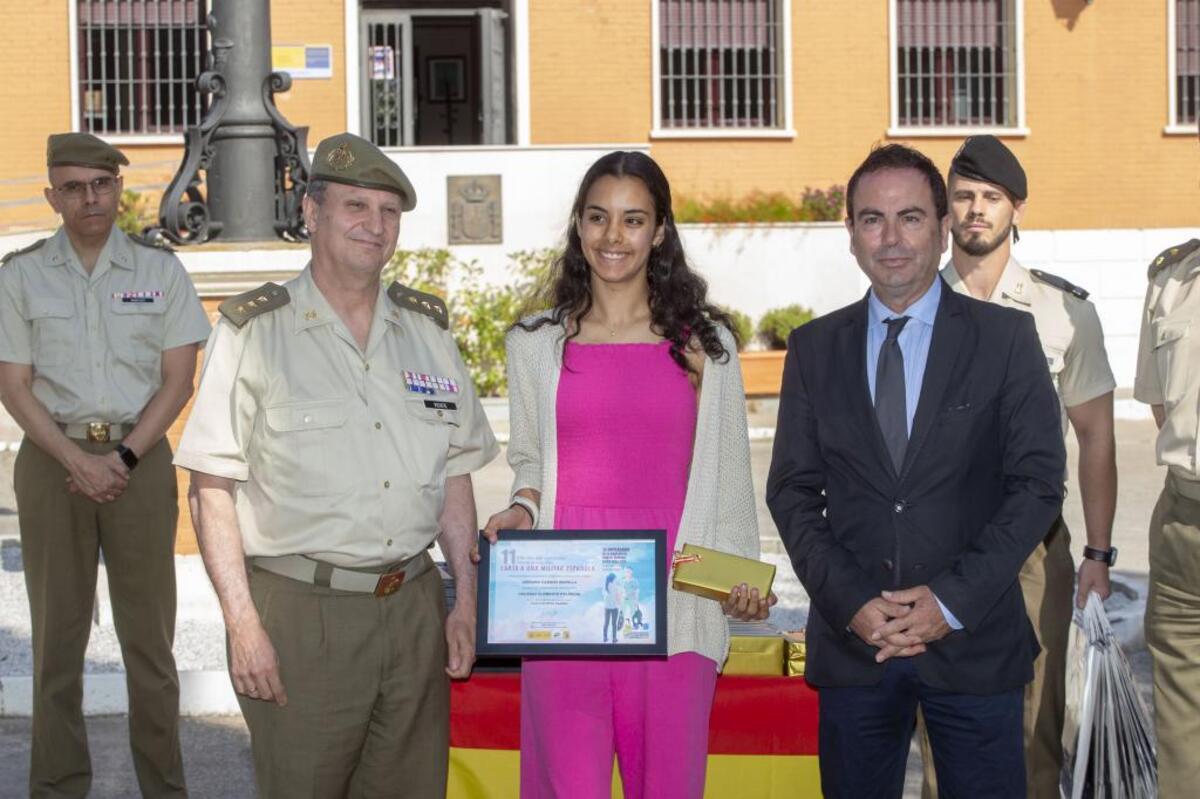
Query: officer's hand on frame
(253, 664)
(511, 518)
(460, 645)
(744, 604)
(1093, 576)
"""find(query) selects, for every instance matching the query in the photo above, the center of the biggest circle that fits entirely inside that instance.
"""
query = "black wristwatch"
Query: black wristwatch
(1108, 556)
(127, 457)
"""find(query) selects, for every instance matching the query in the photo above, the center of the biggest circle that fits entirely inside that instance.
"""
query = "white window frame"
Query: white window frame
(520, 56)
(787, 131)
(116, 139)
(1174, 127)
(896, 130)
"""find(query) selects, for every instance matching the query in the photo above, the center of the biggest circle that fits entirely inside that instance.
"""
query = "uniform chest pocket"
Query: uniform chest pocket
(434, 411)
(432, 423)
(53, 323)
(1171, 341)
(306, 448)
(136, 327)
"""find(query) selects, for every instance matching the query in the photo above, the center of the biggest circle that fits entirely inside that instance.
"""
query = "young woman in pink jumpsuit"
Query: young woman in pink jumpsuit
(627, 412)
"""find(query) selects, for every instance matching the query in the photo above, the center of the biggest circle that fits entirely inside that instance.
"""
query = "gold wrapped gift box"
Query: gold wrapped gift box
(711, 574)
(795, 652)
(755, 654)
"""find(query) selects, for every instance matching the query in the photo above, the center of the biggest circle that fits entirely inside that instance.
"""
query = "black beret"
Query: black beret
(986, 158)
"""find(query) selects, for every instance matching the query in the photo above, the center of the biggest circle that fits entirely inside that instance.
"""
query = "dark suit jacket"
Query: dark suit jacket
(981, 483)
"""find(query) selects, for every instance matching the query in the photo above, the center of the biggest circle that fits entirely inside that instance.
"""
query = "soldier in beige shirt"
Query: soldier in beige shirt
(988, 189)
(331, 443)
(1168, 379)
(98, 340)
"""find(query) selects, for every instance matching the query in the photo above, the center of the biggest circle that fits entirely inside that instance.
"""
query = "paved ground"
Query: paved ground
(215, 747)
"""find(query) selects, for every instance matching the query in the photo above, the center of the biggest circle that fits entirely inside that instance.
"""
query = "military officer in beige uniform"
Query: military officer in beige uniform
(988, 189)
(331, 442)
(1168, 379)
(98, 340)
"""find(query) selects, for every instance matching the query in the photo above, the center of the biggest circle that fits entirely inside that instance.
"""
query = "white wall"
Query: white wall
(754, 269)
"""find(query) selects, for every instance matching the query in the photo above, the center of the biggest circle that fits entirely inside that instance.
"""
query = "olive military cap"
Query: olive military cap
(986, 158)
(346, 158)
(83, 149)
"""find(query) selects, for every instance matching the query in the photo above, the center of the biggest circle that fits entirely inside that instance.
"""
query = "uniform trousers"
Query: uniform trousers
(1048, 586)
(1173, 637)
(652, 713)
(62, 538)
(368, 698)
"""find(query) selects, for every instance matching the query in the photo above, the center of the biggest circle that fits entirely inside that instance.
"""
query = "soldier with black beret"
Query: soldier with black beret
(332, 441)
(988, 191)
(98, 339)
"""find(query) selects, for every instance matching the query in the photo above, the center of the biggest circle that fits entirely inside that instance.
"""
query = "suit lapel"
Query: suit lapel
(852, 351)
(949, 329)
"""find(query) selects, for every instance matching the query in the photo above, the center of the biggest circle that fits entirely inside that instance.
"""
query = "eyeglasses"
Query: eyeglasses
(77, 188)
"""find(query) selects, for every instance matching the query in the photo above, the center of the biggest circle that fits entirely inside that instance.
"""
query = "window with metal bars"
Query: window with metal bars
(138, 64)
(720, 64)
(956, 63)
(1187, 62)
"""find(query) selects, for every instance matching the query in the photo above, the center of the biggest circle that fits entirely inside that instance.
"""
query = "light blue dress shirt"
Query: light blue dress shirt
(914, 346)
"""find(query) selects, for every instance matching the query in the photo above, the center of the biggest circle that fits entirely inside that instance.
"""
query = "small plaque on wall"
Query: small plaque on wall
(473, 208)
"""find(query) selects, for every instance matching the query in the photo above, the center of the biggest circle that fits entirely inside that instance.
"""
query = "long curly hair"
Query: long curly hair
(679, 307)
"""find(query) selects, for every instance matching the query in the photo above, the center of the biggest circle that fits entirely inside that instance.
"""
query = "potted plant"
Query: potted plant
(762, 372)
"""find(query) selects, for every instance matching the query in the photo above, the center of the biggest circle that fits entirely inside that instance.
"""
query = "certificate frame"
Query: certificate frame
(492, 583)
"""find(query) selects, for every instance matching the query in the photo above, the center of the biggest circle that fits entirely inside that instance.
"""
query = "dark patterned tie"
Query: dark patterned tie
(890, 406)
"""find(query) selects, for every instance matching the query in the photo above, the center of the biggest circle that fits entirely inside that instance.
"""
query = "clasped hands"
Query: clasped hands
(900, 623)
(100, 478)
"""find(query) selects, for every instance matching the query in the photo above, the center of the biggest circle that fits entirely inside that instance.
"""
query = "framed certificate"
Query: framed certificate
(596, 593)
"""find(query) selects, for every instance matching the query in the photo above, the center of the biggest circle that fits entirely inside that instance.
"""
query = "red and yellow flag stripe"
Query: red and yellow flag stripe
(762, 738)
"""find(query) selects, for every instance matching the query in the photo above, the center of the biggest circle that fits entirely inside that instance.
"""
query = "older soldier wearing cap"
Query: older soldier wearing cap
(988, 190)
(1168, 379)
(98, 339)
(332, 440)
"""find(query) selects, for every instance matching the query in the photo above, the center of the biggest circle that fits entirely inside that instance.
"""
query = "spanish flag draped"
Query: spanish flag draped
(762, 738)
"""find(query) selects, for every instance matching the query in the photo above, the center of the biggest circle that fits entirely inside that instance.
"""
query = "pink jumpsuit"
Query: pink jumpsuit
(626, 420)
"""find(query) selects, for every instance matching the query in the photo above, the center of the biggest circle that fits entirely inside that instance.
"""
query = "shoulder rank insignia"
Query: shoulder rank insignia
(1058, 283)
(22, 251)
(241, 309)
(1172, 256)
(420, 302)
(158, 243)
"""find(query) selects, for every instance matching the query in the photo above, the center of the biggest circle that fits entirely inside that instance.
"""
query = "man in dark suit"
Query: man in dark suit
(918, 461)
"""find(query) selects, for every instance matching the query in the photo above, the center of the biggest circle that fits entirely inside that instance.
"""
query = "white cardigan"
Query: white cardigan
(719, 508)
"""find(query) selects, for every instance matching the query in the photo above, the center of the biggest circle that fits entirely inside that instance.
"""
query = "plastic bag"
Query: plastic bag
(1108, 749)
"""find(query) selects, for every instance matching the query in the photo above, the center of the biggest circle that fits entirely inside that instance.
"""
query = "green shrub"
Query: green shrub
(743, 326)
(814, 205)
(777, 323)
(480, 314)
(135, 213)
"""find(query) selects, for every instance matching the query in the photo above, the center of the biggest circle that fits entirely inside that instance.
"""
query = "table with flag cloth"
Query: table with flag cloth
(762, 738)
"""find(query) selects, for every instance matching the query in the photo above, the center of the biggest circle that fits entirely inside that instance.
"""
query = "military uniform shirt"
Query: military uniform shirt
(1067, 326)
(1168, 367)
(96, 341)
(341, 454)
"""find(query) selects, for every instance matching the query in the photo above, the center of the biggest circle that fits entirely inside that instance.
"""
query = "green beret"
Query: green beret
(346, 158)
(986, 158)
(83, 149)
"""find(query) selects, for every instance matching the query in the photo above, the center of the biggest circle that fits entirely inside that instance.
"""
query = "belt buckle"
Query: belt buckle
(98, 432)
(389, 584)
